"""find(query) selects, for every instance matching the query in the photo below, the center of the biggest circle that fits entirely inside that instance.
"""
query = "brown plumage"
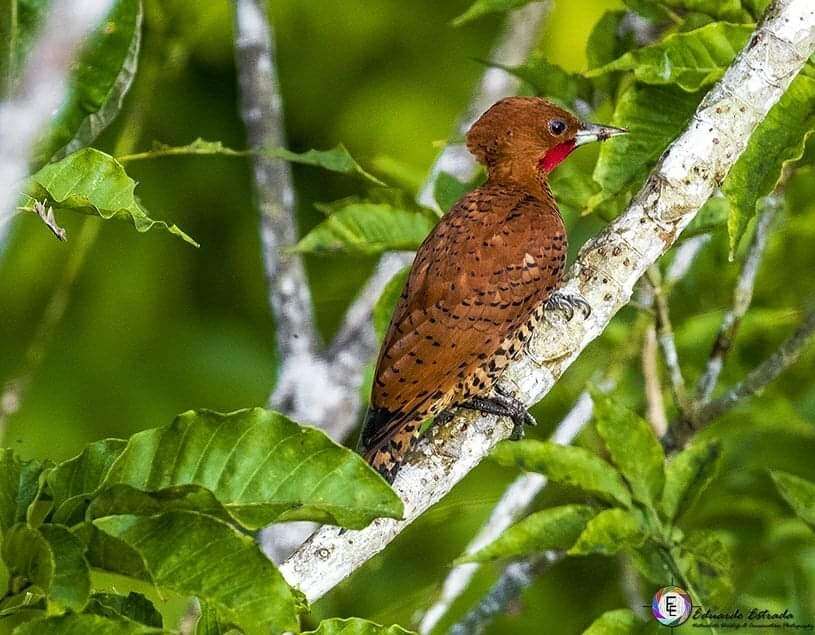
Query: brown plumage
(479, 283)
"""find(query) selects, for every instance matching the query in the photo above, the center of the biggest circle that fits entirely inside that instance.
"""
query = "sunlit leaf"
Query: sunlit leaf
(481, 8)
(209, 622)
(179, 550)
(618, 622)
(18, 488)
(368, 228)
(799, 493)
(385, 305)
(689, 60)
(553, 528)
(633, 447)
(72, 482)
(133, 606)
(687, 475)
(447, 190)
(337, 159)
(260, 466)
(92, 182)
(72, 624)
(779, 140)
(355, 626)
(720, 9)
(654, 116)
(609, 532)
(550, 80)
(566, 464)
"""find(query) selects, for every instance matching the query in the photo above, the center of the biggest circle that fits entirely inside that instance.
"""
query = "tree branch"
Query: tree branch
(742, 296)
(40, 92)
(604, 274)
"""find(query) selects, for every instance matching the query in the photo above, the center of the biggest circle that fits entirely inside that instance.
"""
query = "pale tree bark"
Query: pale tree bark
(604, 275)
(41, 90)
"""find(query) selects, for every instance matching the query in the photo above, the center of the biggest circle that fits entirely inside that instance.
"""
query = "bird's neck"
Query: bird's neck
(532, 179)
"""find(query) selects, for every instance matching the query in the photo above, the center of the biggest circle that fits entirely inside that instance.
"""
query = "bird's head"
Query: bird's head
(530, 135)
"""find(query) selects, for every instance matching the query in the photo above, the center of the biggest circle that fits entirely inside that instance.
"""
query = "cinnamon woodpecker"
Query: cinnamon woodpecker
(480, 282)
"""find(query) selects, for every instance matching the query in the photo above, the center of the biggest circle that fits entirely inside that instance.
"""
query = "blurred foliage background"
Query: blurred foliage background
(155, 327)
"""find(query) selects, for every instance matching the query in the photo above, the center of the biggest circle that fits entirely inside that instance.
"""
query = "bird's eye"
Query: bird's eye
(557, 127)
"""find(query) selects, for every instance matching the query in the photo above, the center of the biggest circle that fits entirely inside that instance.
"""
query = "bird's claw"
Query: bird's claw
(568, 303)
(504, 405)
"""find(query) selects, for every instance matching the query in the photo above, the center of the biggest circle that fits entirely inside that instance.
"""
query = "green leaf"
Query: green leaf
(199, 147)
(650, 9)
(447, 190)
(566, 464)
(799, 494)
(179, 550)
(609, 532)
(50, 558)
(210, 623)
(368, 228)
(654, 116)
(687, 475)
(481, 8)
(720, 9)
(573, 187)
(133, 606)
(84, 624)
(553, 528)
(92, 182)
(618, 622)
(99, 81)
(261, 466)
(690, 60)
(550, 80)
(337, 159)
(23, 604)
(651, 561)
(73, 482)
(19, 484)
(705, 561)
(777, 142)
(17, 33)
(633, 446)
(386, 304)
(604, 43)
(355, 626)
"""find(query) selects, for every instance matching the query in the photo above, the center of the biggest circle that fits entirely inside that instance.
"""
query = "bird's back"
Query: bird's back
(474, 292)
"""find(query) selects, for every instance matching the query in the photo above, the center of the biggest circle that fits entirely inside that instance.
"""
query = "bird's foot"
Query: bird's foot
(559, 301)
(445, 416)
(503, 405)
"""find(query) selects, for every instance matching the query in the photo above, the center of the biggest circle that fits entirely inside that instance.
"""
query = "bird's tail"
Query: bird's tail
(385, 440)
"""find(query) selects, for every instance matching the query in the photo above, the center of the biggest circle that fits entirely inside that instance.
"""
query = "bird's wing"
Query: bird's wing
(478, 277)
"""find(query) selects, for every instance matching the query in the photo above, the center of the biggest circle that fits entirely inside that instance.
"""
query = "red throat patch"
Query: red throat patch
(556, 156)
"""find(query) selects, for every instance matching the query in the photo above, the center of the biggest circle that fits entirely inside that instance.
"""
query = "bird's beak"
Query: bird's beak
(591, 132)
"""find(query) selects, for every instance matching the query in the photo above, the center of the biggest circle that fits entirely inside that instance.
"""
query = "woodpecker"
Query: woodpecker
(479, 284)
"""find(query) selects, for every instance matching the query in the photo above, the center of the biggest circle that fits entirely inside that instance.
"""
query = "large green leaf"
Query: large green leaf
(633, 446)
(72, 482)
(368, 228)
(195, 554)
(260, 466)
(355, 626)
(566, 464)
(51, 558)
(778, 141)
(92, 182)
(720, 9)
(386, 303)
(133, 606)
(553, 528)
(85, 624)
(609, 532)
(481, 8)
(99, 80)
(618, 622)
(18, 488)
(447, 190)
(799, 493)
(209, 622)
(705, 561)
(687, 475)
(654, 116)
(689, 60)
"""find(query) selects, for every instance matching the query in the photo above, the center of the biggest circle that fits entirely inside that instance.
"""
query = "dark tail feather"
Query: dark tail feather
(385, 439)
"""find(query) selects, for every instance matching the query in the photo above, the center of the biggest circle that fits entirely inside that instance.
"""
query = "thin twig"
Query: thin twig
(40, 92)
(605, 273)
(742, 296)
(653, 385)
